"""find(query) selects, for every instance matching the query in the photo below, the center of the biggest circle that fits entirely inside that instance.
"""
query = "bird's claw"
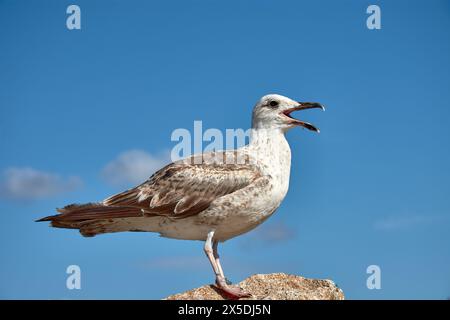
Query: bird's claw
(231, 292)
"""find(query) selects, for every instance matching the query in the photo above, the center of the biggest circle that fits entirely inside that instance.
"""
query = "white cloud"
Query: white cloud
(269, 234)
(133, 167)
(275, 232)
(404, 222)
(30, 184)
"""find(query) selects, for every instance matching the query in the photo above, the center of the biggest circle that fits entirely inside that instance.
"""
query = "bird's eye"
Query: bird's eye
(273, 103)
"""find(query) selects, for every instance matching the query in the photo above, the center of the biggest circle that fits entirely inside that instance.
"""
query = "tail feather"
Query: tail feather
(76, 216)
(76, 212)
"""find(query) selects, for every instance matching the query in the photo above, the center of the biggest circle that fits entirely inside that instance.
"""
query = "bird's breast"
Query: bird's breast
(276, 164)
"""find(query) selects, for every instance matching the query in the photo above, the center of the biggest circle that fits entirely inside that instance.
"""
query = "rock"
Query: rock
(274, 286)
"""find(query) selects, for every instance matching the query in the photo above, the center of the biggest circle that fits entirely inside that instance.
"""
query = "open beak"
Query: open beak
(302, 106)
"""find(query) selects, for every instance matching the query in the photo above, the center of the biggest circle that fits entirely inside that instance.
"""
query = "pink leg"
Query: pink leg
(230, 291)
(216, 257)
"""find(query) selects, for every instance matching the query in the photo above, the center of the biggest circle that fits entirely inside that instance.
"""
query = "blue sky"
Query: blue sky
(84, 113)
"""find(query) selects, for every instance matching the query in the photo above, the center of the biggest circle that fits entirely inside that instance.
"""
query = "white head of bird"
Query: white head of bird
(273, 111)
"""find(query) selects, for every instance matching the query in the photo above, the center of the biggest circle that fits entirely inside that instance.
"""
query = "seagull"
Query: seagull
(211, 197)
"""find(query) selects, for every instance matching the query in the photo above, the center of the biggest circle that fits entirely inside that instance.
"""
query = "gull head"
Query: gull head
(273, 111)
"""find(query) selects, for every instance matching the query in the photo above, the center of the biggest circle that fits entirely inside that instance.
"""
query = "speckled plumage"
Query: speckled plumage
(230, 192)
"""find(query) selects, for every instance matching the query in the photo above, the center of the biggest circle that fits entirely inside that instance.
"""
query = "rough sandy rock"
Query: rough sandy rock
(274, 286)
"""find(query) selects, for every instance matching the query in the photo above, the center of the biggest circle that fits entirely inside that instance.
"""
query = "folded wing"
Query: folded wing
(179, 190)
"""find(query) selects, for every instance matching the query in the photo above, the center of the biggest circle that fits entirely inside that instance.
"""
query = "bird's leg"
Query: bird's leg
(221, 283)
(216, 257)
(209, 253)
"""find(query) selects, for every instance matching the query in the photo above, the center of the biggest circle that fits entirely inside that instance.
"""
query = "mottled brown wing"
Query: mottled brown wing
(184, 188)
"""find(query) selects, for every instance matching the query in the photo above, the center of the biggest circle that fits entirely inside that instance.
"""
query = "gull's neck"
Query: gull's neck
(273, 156)
(262, 136)
(270, 147)
(264, 133)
